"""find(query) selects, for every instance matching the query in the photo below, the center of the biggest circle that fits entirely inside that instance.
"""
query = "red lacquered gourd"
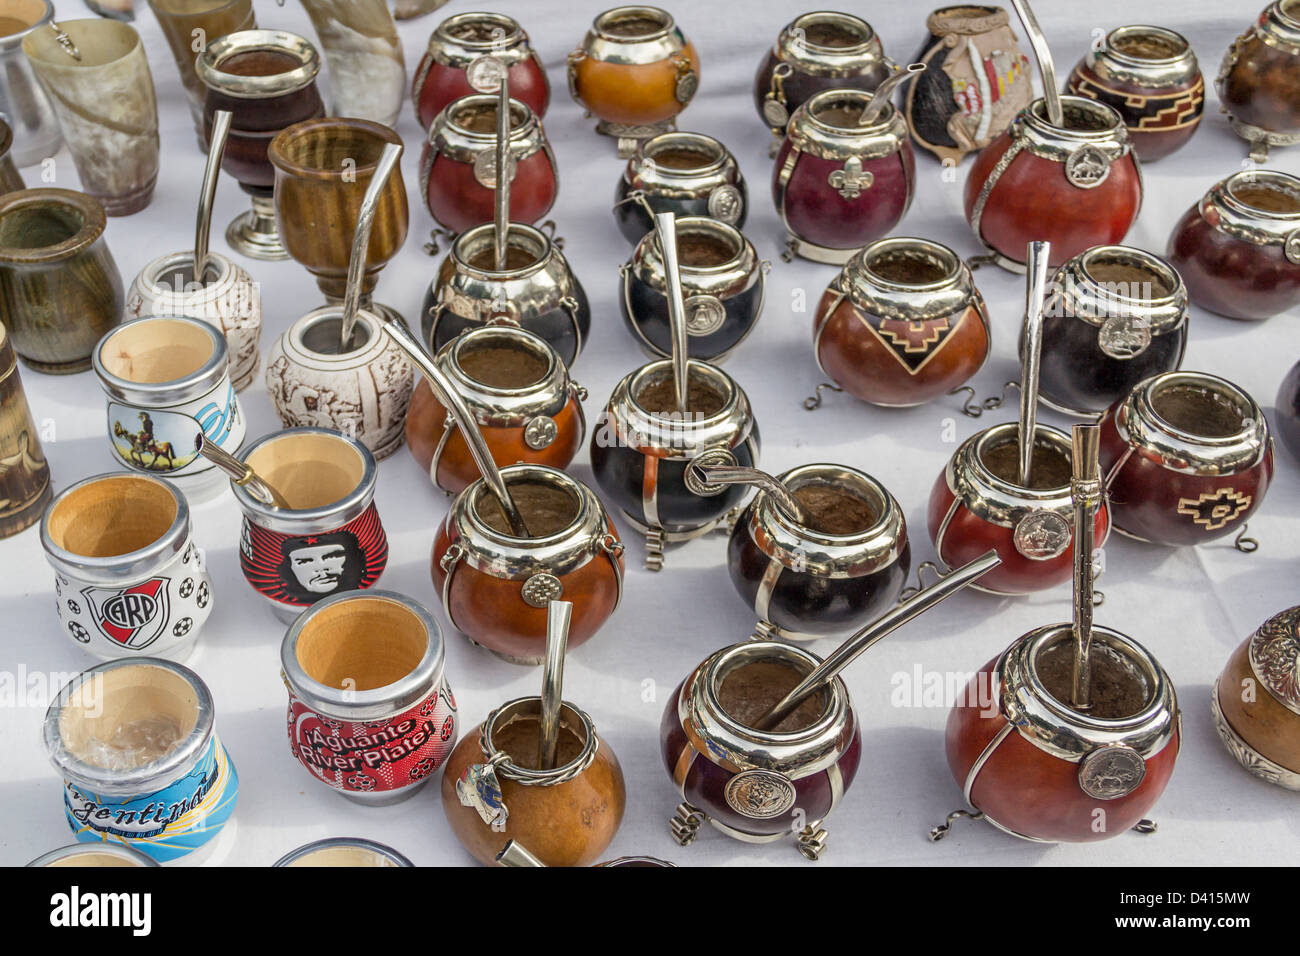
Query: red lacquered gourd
(458, 166)
(839, 183)
(467, 54)
(1075, 186)
(1187, 458)
(976, 504)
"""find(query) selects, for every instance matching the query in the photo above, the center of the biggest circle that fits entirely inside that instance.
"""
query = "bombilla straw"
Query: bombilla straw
(361, 240)
(1085, 493)
(502, 196)
(203, 227)
(515, 854)
(240, 472)
(666, 230)
(1036, 286)
(885, 90)
(707, 474)
(846, 653)
(464, 418)
(558, 616)
(1043, 53)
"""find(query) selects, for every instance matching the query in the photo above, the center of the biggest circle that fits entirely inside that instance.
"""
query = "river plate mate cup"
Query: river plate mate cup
(688, 174)
(723, 280)
(458, 165)
(1187, 458)
(267, 79)
(1259, 80)
(370, 712)
(758, 786)
(902, 324)
(1238, 249)
(520, 394)
(493, 790)
(167, 383)
(1076, 185)
(1149, 75)
(227, 298)
(136, 746)
(635, 71)
(1256, 701)
(1036, 767)
(343, 851)
(495, 585)
(830, 575)
(838, 183)
(976, 81)
(977, 503)
(537, 291)
(330, 539)
(814, 52)
(1114, 315)
(467, 54)
(641, 448)
(129, 580)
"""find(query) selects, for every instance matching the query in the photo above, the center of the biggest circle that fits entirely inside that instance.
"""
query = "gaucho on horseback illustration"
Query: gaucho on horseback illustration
(143, 442)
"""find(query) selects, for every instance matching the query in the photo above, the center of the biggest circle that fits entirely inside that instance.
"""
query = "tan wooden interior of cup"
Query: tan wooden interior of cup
(342, 856)
(112, 516)
(482, 117)
(310, 471)
(119, 698)
(158, 350)
(361, 644)
(23, 13)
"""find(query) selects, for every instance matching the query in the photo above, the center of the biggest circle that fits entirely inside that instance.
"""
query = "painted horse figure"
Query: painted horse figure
(143, 442)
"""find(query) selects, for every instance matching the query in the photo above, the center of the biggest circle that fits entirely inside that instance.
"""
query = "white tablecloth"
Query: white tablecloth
(1190, 607)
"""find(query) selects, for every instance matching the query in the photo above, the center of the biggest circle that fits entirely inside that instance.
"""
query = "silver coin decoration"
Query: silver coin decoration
(687, 84)
(775, 113)
(485, 168)
(1292, 248)
(725, 204)
(760, 794)
(1087, 167)
(1042, 535)
(704, 315)
(1109, 773)
(1124, 336)
(485, 74)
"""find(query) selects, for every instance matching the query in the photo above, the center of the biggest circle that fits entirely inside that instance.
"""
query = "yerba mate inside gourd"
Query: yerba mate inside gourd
(259, 63)
(1198, 410)
(831, 509)
(1118, 689)
(1266, 197)
(1148, 46)
(546, 508)
(502, 364)
(482, 118)
(750, 690)
(1051, 468)
(658, 395)
(520, 737)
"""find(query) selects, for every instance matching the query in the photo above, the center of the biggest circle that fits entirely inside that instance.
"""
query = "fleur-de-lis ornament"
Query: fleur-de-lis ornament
(851, 180)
